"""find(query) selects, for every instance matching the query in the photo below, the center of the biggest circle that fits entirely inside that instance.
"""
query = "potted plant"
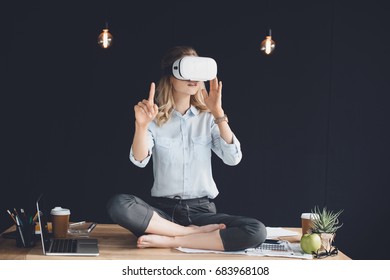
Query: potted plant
(325, 223)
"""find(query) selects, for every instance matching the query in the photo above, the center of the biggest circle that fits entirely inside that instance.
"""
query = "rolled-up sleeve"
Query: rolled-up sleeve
(145, 161)
(229, 153)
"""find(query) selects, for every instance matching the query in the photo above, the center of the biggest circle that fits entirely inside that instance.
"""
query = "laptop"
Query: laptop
(63, 246)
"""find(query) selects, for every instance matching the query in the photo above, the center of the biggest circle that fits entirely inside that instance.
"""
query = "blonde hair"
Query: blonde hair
(164, 90)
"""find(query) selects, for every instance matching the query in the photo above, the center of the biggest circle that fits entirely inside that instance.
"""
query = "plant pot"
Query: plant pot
(326, 241)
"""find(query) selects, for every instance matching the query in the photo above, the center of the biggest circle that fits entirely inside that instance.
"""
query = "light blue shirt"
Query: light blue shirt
(181, 150)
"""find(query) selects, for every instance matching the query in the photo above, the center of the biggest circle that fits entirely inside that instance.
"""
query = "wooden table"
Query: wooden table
(116, 243)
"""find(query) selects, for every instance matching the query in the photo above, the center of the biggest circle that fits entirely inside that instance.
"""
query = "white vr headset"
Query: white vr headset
(194, 68)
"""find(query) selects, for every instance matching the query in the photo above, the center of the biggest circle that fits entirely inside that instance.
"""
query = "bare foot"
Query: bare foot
(154, 240)
(162, 241)
(201, 240)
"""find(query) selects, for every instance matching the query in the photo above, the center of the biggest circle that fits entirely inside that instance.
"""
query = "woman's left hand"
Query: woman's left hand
(213, 99)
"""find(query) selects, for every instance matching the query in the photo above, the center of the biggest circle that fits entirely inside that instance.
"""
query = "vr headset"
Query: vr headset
(194, 68)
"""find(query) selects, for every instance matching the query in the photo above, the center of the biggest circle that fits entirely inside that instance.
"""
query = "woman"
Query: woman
(180, 133)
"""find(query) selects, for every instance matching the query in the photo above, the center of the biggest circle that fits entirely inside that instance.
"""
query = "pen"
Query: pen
(18, 217)
(272, 241)
(23, 216)
(20, 231)
(35, 216)
(91, 227)
(11, 215)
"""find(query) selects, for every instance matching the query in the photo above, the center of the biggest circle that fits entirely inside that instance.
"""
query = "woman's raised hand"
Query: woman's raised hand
(146, 110)
(213, 98)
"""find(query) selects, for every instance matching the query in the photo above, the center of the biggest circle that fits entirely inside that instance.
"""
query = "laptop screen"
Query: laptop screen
(42, 220)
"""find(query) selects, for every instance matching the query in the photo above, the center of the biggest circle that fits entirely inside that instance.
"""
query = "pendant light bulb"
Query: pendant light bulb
(105, 38)
(268, 45)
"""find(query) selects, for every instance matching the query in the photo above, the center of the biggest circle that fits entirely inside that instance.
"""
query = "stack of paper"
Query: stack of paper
(275, 232)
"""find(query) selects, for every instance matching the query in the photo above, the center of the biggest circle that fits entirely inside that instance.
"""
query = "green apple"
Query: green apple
(310, 243)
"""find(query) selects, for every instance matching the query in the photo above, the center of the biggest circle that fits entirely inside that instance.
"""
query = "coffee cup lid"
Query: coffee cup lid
(59, 211)
(308, 216)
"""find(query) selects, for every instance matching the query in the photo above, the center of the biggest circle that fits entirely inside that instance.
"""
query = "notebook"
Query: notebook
(63, 247)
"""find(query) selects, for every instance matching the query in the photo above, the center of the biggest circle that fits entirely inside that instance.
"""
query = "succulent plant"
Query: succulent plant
(325, 221)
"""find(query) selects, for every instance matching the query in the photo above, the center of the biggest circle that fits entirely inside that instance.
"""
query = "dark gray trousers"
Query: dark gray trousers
(134, 214)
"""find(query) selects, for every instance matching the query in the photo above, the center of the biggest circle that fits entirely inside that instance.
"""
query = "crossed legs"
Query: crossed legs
(163, 233)
(214, 231)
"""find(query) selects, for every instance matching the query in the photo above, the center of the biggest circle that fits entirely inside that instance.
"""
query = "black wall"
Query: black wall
(312, 118)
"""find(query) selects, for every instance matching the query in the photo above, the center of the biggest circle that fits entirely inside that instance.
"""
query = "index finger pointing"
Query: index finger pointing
(151, 93)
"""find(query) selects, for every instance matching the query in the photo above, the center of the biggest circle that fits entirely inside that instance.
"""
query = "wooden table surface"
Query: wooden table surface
(116, 243)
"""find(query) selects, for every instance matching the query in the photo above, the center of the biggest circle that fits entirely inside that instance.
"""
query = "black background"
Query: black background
(312, 118)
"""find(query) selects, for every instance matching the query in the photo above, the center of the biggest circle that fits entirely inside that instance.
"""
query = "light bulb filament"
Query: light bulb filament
(268, 44)
(105, 38)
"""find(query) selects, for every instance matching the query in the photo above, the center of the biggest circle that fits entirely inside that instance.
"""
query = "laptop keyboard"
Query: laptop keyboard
(64, 246)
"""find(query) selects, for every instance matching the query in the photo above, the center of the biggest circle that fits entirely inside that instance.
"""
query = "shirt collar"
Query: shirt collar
(194, 110)
(191, 112)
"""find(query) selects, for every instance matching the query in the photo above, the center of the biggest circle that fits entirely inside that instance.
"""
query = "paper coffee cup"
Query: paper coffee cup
(306, 221)
(60, 221)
